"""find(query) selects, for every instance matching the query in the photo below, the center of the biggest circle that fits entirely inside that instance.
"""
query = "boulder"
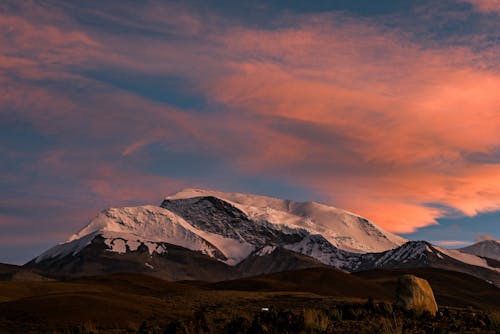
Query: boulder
(414, 293)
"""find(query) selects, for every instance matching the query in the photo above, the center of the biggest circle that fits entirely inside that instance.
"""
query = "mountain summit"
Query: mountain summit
(210, 235)
(486, 248)
(343, 229)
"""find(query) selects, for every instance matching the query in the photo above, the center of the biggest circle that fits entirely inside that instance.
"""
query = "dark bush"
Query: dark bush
(239, 325)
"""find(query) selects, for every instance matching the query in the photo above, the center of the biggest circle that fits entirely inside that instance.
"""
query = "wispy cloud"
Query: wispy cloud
(483, 237)
(451, 243)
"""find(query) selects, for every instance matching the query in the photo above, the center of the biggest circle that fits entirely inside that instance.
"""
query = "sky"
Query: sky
(388, 108)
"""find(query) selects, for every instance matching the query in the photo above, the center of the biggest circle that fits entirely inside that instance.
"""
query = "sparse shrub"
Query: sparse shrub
(201, 324)
(239, 325)
(370, 303)
(353, 312)
(425, 316)
(277, 322)
(86, 328)
(385, 309)
(446, 312)
(315, 319)
(147, 328)
(494, 319)
(411, 314)
(175, 327)
(336, 314)
(440, 330)
(392, 325)
(288, 322)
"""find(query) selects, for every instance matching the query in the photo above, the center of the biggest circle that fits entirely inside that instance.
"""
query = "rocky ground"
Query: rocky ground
(307, 301)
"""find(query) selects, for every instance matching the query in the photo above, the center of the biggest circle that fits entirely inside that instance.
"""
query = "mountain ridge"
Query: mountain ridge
(486, 248)
(239, 238)
(344, 229)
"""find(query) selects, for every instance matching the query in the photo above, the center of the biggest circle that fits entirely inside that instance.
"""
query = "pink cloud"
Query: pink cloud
(379, 125)
(486, 5)
(452, 243)
(118, 186)
(409, 116)
(37, 50)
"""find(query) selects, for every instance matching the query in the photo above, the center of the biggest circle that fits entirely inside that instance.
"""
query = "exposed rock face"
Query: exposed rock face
(416, 294)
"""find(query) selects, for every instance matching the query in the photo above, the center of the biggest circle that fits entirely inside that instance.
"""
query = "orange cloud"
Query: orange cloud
(486, 5)
(35, 50)
(377, 123)
(407, 118)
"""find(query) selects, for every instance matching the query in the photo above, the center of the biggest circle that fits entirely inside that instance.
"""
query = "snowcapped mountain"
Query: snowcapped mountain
(218, 229)
(217, 217)
(208, 225)
(125, 229)
(421, 254)
(486, 248)
(206, 235)
(343, 229)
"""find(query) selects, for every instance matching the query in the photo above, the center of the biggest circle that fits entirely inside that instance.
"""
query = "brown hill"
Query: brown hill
(11, 272)
(7, 270)
(125, 301)
(450, 288)
(277, 260)
(322, 281)
(178, 263)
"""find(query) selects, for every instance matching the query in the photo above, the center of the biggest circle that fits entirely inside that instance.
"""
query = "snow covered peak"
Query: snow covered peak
(231, 227)
(130, 227)
(420, 253)
(236, 198)
(148, 221)
(343, 229)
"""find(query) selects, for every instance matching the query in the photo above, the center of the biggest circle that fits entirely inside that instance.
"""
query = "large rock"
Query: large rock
(416, 294)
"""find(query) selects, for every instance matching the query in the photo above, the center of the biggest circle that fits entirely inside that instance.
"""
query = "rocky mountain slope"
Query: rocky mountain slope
(421, 254)
(486, 248)
(343, 229)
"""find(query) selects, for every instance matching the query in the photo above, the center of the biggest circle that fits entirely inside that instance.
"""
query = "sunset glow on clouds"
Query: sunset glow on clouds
(486, 5)
(120, 105)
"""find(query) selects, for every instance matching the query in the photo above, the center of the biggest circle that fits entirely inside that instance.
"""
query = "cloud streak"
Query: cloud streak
(452, 243)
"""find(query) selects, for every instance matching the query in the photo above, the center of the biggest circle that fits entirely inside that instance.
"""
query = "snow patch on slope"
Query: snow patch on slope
(266, 250)
(123, 242)
(466, 258)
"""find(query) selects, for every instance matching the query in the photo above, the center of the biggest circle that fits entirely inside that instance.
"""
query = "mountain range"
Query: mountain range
(207, 235)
